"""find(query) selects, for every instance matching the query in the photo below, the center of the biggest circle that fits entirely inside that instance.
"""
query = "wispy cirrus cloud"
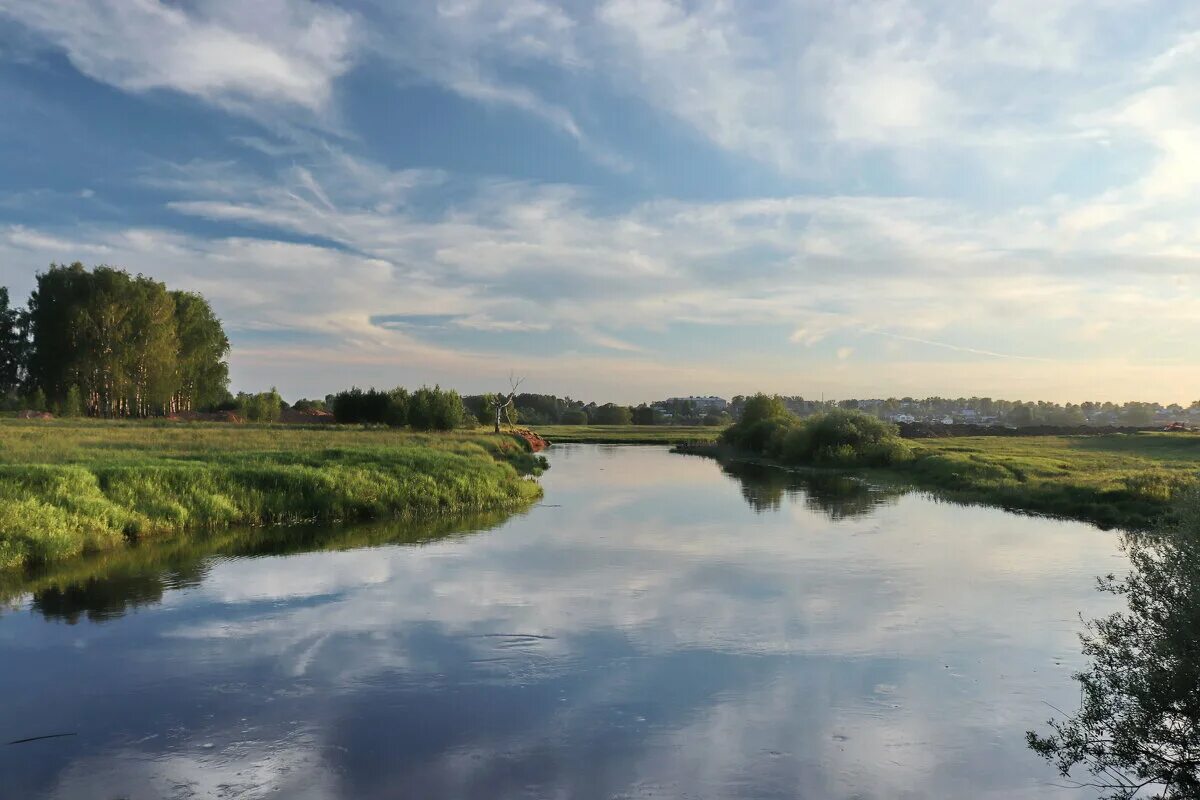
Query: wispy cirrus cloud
(233, 54)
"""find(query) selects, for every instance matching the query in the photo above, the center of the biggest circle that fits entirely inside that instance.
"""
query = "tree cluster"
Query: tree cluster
(840, 436)
(108, 344)
(425, 409)
(548, 409)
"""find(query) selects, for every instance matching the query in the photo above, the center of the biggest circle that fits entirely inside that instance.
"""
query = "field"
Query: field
(629, 434)
(72, 487)
(1114, 480)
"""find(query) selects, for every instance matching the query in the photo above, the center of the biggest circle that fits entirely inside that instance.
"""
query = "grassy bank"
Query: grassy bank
(68, 488)
(1122, 480)
(629, 434)
(1125, 480)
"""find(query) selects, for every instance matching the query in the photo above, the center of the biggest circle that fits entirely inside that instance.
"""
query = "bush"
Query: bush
(838, 438)
(573, 417)
(847, 437)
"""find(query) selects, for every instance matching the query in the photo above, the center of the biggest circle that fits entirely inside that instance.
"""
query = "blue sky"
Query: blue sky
(628, 199)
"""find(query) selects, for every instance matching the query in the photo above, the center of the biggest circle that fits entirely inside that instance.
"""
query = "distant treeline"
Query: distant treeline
(985, 410)
(445, 409)
(105, 343)
(548, 409)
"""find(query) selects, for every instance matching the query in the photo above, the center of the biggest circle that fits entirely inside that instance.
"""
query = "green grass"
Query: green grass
(628, 434)
(1126, 480)
(74, 487)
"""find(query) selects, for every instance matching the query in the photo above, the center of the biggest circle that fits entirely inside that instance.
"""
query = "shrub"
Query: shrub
(761, 435)
(573, 417)
(838, 438)
(848, 437)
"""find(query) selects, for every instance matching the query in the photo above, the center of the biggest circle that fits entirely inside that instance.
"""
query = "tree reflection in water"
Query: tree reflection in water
(837, 495)
(1136, 730)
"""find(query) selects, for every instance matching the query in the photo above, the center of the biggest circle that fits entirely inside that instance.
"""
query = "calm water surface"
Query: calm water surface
(658, 627)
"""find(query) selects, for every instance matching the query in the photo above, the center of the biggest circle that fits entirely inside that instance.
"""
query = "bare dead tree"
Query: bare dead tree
(502, 401)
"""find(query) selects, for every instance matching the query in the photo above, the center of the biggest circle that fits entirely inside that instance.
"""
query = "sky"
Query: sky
(629, 199)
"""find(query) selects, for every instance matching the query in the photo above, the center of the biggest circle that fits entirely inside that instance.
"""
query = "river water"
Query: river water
(660, 626)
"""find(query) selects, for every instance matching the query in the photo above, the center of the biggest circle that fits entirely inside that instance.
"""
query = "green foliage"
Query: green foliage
(371, 407)
(842, 437)
(612, 414)
(763, 406)
(132, 347)
(644, 415)
(202, 374)
(12, 346)
(1137, 731)
(762, 436)
(73, 487)
(573, 417)
(37, 400)
(73, 404)
(310, 405)
(261, 407)
(435, 409)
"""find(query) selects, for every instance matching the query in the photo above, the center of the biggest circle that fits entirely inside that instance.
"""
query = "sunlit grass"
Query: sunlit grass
(1122, 479)
(71, 487)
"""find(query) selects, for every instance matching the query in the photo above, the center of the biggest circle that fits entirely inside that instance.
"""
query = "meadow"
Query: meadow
(79, 486)
(1125, 480)
(628, 434)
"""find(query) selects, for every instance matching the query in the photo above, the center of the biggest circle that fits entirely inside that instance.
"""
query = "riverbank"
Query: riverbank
(1116, 480)
(73, 487)
(628, 434)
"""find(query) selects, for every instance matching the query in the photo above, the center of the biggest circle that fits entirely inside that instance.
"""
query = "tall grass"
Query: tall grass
(72, 488)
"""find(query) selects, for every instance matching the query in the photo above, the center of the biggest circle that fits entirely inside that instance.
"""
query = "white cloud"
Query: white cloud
(223, 51)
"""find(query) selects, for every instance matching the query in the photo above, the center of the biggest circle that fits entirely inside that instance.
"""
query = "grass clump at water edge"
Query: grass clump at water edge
(98, 498)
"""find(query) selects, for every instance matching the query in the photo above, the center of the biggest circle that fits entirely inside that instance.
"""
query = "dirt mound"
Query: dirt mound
(205, 416)
(536, 443)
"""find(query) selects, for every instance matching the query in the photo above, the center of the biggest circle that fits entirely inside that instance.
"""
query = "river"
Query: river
(659, 626)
